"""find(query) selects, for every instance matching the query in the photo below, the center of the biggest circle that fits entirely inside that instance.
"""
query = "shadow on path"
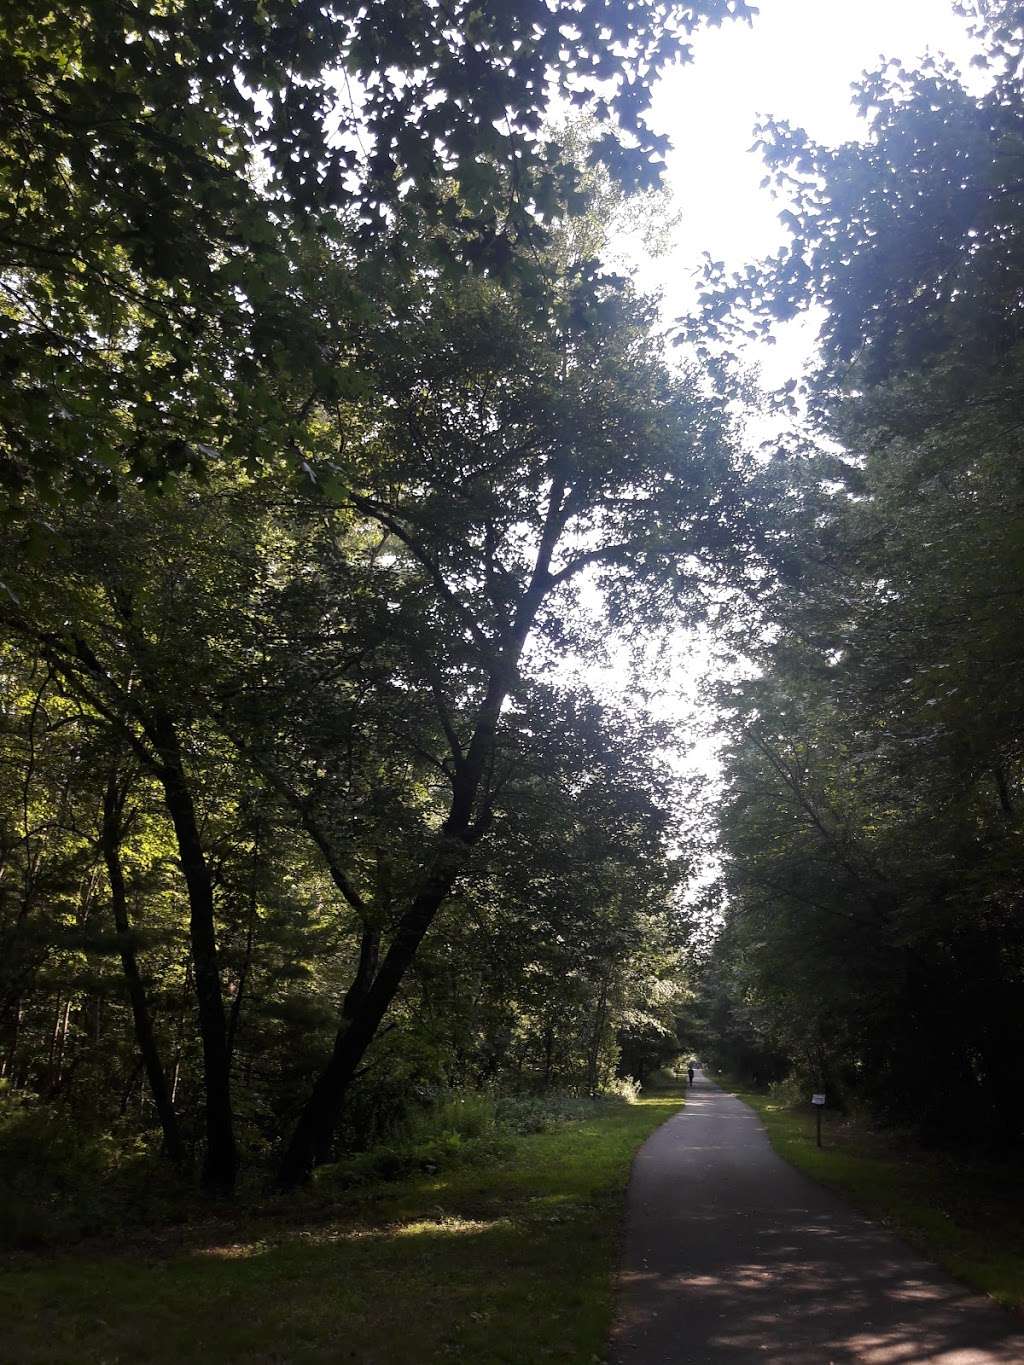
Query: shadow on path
(734, 1256)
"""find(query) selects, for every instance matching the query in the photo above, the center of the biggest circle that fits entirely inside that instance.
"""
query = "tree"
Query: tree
(508, 460)
(876, 767)
(170, 179)
(91, 617)
(355, 650)
(418, 417)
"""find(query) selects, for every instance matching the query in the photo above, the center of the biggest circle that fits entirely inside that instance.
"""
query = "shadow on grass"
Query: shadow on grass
(508, 1264)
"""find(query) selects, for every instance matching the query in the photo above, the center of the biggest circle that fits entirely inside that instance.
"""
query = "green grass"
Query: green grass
(509, 1263)
(968, 1216)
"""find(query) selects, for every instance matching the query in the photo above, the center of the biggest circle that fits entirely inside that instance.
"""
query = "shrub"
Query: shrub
(452, 1129)
(525, 1114)
(50, 1174)
(790, 1092)
(623, 1088)
(60, 1181)
(666, 1076)
(394, 1161)
(468, 1115)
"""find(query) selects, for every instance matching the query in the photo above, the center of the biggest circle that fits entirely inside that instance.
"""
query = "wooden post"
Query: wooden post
(818, 1100)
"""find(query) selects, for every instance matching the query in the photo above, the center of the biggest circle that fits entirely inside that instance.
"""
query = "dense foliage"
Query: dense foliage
(313, 704)
(872, 830)
(170, 176)
(301, 824)
(330, 450)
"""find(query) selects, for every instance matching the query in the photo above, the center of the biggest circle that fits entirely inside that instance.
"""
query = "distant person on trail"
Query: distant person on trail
(689, 1072)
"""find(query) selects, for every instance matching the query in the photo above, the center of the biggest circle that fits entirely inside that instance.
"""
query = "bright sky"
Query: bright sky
(798, 61)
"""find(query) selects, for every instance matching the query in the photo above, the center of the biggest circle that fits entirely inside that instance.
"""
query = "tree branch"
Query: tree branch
(461, 611)
(307, 819)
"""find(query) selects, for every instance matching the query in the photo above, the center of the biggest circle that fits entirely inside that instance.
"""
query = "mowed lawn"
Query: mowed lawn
(967, 1215)
(512, 1262)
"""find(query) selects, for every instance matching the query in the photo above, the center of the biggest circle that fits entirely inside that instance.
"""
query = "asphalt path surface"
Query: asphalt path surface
(733, 1256)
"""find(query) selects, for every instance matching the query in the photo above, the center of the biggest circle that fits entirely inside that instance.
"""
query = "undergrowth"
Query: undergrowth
(505, 1261)
(61, 1183)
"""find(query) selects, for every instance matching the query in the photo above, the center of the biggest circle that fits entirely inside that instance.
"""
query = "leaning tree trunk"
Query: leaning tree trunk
(220, 1165)
(314, 1131)
(355, 998)
(144, 1036)
(465, 824)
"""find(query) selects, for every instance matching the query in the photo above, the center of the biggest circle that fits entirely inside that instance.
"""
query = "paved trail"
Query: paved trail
(732, 1256)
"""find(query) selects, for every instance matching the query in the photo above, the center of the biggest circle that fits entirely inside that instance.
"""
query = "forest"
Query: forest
(338, 457)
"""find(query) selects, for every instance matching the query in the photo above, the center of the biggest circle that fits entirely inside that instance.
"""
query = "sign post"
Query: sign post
(818, 1100)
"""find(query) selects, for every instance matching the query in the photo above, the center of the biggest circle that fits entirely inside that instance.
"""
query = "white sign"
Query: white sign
(817, 1099)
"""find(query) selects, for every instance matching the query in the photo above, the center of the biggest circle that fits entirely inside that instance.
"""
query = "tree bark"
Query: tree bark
(220, 1162)
(12, 1034)
(111, 843)
(369, 957)
(596, 1037)
(315, 1129)
(235, 1013)
(549, 1054)
(1002, 787)
(51, 1061)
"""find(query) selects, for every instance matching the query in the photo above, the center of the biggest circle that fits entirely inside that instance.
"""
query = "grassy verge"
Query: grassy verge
(508, 1263)
(967, 1216)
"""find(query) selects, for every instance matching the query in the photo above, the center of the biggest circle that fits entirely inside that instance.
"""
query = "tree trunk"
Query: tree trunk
(596, 1038)
(315, 1129)
(464, 826)
(12, 1032)
(367, 1003)
(235, 1012)
(1002, 787)
(549, 1054)
(52, 1063)
(62, 1047)
(369, 956)
(355, 997)
(144, 1036)
(220, 1163)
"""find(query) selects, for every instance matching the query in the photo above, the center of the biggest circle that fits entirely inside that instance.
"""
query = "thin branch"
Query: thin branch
(465, 616)
(307, 819)
(444, 715)
(610, 554)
